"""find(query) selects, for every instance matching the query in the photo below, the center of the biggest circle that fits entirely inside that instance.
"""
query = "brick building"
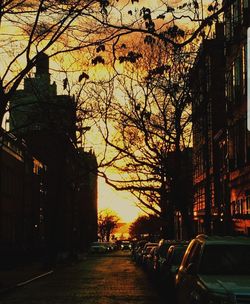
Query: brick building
(238, 141)
(209, 120)
(221, 138)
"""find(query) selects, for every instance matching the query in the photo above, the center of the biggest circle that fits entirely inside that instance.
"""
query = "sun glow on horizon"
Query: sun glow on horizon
(121, 202)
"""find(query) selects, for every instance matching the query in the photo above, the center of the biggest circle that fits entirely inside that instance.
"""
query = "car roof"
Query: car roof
(223, 240)
(178, 246)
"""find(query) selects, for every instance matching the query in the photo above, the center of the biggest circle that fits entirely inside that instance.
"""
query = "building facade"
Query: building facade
(22, 200)
(47, 122)
(209, 120)
(221, 138)
(236, 21)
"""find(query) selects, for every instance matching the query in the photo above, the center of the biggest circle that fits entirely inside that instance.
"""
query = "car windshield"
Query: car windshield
(225, 260)
(163, 249)
(178, 255)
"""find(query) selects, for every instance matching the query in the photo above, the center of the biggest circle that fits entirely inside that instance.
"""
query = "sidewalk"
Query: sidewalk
(21, 275)
(26, 273)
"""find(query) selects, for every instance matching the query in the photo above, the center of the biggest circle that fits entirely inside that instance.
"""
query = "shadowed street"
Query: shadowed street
(99, 279)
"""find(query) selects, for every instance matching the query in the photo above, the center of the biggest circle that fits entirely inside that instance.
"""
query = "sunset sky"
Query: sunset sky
(121, 203)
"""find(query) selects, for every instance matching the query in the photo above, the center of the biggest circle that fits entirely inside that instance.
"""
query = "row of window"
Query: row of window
(234, 17)
(239, 145)
(241, 206)
(238, 207)
(236, 78)
(237, 150)
(200, 196)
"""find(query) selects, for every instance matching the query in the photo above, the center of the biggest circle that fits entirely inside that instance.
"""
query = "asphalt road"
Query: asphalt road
(109, 279)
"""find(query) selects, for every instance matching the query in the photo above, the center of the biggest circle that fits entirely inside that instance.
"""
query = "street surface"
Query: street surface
(100, 279)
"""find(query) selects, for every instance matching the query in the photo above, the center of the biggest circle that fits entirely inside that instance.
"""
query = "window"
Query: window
(244, 69)
(248, 204)
(239, 206)
(248, 145)
(236, 14)
(237, 144)
(229, 259)
(229, 86)
(208, 72)
(227, 26)
(233, 208)
(243, 206)
(237, 67)
(235, 78)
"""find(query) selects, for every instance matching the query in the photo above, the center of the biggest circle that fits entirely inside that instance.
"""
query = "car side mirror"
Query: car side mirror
(191, 269)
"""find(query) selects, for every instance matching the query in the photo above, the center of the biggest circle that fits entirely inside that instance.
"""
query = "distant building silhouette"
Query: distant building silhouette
(47, 122)
(37, 107)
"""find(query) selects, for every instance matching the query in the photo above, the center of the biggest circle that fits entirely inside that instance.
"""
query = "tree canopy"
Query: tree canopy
(30, 27)
(107, 222)
(147, 129)
(147, 226)
(143, 109)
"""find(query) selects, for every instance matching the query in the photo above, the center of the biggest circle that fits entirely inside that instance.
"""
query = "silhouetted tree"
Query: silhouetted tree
(148, 131)
(107, 222)
(145, 226)
(59, 27)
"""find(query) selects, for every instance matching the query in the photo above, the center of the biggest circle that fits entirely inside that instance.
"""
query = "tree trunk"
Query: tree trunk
(188, 229)
(167, 218)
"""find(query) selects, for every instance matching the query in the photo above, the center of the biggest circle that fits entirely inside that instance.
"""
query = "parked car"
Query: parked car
(215, 270)
(173, 260)
(148, 255)
(98, 247)
(144, 251)
(150, 260)
(137, 250)
(160, 258)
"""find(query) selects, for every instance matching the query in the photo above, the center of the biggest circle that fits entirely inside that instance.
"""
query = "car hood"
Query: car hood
(232, 284)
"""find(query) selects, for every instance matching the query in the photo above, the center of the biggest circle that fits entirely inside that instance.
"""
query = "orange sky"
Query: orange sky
(120, 202)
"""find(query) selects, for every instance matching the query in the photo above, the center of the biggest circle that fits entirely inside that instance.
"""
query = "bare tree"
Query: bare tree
(107, 222)
(153, 122)
(30, 27)
(176, 24)
(147, 129)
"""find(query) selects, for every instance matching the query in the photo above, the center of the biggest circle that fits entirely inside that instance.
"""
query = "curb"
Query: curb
(35, 278)
(20, 284)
